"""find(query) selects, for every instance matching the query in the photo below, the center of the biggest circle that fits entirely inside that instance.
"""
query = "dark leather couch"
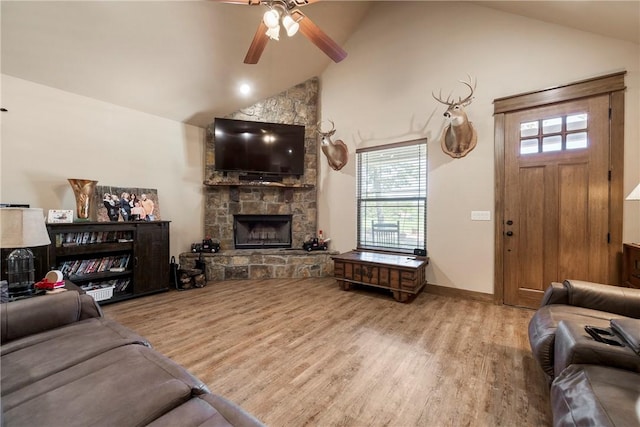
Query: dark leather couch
(593, 381)
(64, 364)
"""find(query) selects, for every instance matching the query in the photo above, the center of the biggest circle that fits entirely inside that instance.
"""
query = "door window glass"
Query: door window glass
(568, 132)
(551, 143)
(577, 140)
(553, 125)
(528, 146)
(577, 122)
(528, 129)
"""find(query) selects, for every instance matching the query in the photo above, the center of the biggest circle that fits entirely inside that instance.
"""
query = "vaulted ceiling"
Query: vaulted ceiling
(183, 60)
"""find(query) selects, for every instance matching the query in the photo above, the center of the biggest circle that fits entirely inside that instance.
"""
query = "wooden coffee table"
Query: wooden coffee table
(404, 275)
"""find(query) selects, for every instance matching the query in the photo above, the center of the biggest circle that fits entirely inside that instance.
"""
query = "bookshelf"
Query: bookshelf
(132, 258)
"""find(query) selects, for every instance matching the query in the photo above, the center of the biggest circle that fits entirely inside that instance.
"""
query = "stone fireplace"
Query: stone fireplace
(228, 198)
(261, 231)
(227, 195)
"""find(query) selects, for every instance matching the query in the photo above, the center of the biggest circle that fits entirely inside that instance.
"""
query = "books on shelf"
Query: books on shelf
(79, 267)
(93, 237)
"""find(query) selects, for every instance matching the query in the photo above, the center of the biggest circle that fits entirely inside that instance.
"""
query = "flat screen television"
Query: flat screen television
(258, 148)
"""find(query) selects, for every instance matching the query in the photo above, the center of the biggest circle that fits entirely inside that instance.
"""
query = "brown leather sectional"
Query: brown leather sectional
(586, 338)
(64, 364)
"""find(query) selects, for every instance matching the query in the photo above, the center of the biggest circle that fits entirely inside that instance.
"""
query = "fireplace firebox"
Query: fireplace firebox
(261, 231)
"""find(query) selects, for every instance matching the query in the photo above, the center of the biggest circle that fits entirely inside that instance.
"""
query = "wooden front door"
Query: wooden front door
(556, 203)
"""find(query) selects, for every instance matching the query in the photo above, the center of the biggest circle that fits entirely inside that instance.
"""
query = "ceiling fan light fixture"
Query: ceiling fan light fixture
(274, 33)
(271, 18)
(290, 25)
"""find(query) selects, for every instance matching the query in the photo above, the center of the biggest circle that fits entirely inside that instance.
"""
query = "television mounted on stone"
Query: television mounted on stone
(260, 150)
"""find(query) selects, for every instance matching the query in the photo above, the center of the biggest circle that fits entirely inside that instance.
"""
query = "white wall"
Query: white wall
(49, 135)
(382, 93)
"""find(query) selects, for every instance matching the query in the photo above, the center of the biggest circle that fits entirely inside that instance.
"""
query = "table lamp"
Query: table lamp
(635, 194)
(21, 229)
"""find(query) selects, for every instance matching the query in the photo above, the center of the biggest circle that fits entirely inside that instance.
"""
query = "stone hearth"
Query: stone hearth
(262, 264)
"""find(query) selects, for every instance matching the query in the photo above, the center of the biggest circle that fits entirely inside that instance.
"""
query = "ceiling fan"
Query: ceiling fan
(287, 12)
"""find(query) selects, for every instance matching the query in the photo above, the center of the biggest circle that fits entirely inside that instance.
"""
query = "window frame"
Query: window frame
(419, 199)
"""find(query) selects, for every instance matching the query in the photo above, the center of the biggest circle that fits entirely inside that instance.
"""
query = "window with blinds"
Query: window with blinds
(392, 197)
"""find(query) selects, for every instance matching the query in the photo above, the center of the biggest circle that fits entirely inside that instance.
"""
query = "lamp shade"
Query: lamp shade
(290, 25)
(274, 33)
(271, 18)
(22, 228)
(635, 194)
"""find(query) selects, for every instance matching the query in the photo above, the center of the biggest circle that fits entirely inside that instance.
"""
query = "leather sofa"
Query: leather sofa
(594, 375)
(581, 302)
(63, 363)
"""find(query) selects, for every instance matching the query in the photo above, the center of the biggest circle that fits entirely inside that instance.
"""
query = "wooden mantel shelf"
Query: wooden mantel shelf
(256, 184)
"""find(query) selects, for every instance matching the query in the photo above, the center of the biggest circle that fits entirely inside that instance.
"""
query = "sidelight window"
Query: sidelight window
(568, 132)
(392, 197)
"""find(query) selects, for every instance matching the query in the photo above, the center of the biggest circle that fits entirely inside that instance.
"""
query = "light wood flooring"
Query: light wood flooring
(302, 352)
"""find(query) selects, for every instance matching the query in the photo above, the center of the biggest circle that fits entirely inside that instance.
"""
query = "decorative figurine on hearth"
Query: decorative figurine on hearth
(336, 152)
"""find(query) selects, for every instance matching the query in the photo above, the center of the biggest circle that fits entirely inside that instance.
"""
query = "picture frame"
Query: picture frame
(110, 201)
(56, 216)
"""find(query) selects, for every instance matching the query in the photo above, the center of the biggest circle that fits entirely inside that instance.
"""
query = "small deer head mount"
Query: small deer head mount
(336, 152)
(459, 137)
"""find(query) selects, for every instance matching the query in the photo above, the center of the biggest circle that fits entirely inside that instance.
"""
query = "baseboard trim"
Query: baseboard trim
(460, 293)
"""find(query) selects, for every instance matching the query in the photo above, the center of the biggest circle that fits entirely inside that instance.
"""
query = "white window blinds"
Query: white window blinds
(392, 197)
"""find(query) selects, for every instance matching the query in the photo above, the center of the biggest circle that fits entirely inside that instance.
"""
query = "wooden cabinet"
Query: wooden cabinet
(403, 275)
(131, 257)
(152, 258)
(631, 265)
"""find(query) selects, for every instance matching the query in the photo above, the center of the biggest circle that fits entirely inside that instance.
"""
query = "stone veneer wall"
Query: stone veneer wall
(262, 264)
(226, 196)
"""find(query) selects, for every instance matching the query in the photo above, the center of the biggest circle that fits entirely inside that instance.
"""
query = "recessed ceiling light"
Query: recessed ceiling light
(245, 89)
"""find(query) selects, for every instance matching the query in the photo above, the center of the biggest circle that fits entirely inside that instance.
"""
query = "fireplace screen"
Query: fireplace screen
(261, 231)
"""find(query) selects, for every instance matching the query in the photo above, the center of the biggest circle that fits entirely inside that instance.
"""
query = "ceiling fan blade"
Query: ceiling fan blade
(289, 4)
(303, 2)
(258, 44)
(318, 37)
(249, 2)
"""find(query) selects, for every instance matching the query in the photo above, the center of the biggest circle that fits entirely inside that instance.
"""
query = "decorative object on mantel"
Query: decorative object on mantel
(83, 190)
(336, 152)
(459, 137)
(292, 20)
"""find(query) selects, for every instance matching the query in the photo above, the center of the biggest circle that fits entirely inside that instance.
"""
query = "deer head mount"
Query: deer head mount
(336, 152)
(459, 137)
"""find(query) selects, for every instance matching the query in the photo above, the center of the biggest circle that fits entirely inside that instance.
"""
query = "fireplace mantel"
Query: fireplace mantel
(256, 184)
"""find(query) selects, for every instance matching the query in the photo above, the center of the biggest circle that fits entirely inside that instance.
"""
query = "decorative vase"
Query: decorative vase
(83, 190)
